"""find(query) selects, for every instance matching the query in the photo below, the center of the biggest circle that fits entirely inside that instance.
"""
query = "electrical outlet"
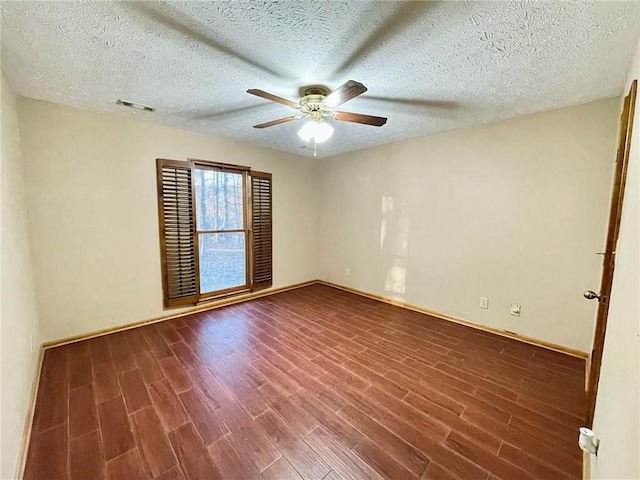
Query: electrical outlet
(515, 309)
(347, 272)
(484, 302)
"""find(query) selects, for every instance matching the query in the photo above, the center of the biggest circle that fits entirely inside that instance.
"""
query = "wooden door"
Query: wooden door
(608, 264)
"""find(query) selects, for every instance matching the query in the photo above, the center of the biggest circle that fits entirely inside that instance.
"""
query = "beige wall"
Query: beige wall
(91, 193)
(18, 316)
(514, 211)
(617, 416)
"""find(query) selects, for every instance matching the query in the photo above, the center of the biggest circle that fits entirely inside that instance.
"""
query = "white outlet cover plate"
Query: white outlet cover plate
(515, 309)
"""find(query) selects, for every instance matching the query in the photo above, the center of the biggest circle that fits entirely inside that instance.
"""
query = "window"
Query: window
(221, 229)
(215, 230)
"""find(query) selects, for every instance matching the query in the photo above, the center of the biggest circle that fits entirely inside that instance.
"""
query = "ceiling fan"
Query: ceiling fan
(316, 104)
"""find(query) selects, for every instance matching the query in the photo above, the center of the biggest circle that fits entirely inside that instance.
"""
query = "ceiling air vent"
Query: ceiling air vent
(137, 106)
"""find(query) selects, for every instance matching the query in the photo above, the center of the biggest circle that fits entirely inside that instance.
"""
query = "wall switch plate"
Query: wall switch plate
(347, 272)
(484, 302)
(31, 343)
(515, 309)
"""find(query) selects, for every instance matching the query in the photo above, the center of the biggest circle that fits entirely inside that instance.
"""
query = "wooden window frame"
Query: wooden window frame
(250, 285)
(214, 166)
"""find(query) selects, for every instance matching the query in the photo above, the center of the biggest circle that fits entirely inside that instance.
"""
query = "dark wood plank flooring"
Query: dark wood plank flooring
(313, 383)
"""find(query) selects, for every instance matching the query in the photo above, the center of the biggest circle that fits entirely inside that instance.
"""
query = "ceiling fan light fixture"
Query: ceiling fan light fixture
(319, 131)
(307, 131)
(315, 105)
(323, 132)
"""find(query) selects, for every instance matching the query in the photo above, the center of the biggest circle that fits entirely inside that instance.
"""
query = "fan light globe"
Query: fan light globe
(320, 131)
(307, 131)
(323, 132)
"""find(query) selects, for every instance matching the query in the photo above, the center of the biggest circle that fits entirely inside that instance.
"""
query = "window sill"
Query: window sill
(222, 296)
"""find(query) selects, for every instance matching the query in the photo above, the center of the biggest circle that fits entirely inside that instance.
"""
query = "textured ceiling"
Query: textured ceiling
(446, 64)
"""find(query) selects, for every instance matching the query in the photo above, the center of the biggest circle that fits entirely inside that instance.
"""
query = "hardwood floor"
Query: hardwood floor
(311, 383)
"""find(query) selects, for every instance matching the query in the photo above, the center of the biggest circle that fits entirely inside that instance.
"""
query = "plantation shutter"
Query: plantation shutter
(262, 230)
(176, 216)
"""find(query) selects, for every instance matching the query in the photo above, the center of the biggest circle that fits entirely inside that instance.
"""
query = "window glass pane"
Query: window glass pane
(219, 200)
(222, 261)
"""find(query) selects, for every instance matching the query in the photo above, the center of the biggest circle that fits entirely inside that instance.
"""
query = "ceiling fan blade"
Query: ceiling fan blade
(276, 122)
(360, 118)
(346, 92)
(273, 98)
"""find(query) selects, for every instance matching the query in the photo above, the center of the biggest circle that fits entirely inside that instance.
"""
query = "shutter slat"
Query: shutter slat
(261, 198)
(175, 208)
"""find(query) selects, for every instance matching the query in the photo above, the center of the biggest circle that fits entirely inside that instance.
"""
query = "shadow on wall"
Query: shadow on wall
(394, 246)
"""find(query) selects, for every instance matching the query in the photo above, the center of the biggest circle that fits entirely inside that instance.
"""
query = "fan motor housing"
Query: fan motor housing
(312, 101)
(312, 104)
